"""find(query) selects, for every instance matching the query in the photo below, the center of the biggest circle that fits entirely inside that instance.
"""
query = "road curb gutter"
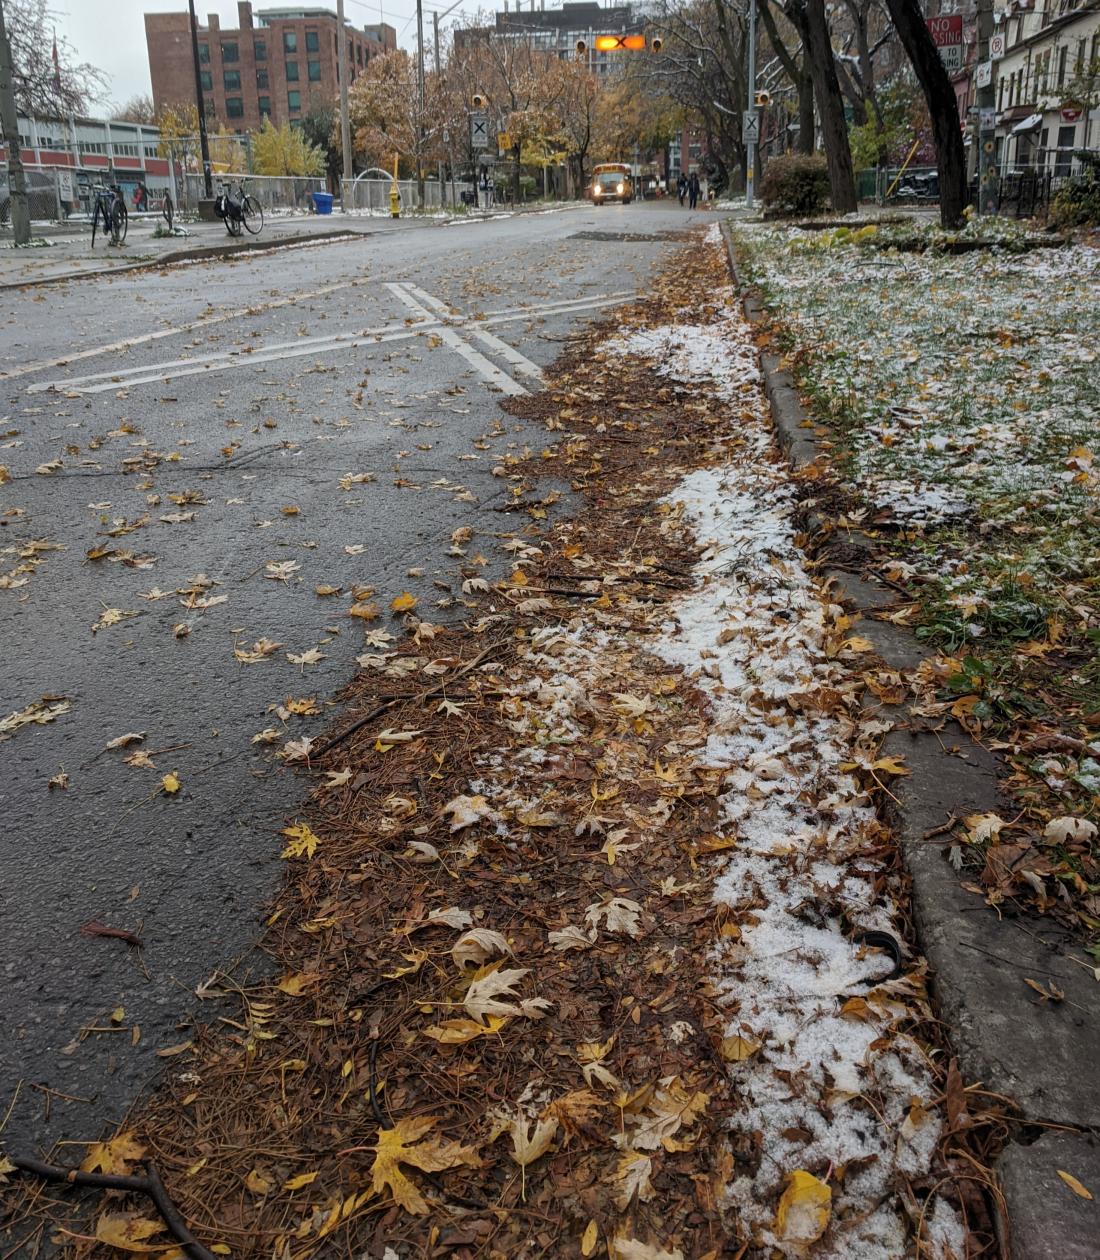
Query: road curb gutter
(1042, 1056)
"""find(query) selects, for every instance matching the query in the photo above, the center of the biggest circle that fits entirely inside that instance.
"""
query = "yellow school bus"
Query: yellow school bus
(611, 181)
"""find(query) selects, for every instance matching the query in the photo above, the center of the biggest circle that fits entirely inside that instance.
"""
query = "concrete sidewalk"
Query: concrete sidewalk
(70, 254)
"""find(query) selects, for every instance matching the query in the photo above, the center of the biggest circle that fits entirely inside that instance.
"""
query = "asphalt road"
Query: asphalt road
(247, 390)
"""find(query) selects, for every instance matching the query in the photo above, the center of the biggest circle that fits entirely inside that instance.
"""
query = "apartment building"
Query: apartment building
(1051, 51)
(273, 64)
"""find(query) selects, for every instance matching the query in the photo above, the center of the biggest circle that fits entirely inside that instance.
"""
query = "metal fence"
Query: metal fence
(43, 194)
(374, 193)
(273, 192)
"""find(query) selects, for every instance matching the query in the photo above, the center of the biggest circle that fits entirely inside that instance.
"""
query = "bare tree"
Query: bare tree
(138, 109)
(868, 33)
(49, 81)
(942, 107)
(792, 56)
(702, 69)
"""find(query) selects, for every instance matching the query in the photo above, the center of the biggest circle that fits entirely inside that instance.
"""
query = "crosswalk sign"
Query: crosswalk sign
(479, 131)
(750, 127)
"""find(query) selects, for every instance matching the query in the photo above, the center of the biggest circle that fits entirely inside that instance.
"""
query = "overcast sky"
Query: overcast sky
(111, 33)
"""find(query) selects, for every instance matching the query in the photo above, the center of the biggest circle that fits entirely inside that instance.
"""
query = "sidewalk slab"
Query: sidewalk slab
(1040, 1054)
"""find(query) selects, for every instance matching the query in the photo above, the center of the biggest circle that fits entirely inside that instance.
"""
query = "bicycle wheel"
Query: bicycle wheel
(252, 213)
(232, 225)
(120, 221)
(95, 221)
(167, 210)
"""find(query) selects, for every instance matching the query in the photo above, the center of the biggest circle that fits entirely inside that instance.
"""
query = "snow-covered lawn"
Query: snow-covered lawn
(964, 391)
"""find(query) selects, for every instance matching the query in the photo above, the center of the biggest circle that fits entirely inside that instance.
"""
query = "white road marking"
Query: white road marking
(419, 301)
(204, 321)
(511, 355)
(221, 361)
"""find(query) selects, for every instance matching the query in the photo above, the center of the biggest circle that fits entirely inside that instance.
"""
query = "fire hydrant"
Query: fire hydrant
(395, 202)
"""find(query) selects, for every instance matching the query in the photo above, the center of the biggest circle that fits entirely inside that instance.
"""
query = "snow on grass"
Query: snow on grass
(964, 392)
(831, 1081)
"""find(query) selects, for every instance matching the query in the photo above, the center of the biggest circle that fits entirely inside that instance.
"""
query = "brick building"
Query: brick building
(273, 64)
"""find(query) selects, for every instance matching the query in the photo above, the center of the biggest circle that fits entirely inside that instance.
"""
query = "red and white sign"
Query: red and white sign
(1071, 115)
(947, 35)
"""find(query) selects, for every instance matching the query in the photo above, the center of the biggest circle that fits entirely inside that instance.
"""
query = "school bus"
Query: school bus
(612, 181)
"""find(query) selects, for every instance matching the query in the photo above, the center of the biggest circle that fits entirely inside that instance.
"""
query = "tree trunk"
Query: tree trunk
(9, 117)
(830, 104)
(942, 106)
(807, 125)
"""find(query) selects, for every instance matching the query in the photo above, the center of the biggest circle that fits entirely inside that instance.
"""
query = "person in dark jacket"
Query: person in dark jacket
(693, 190)
(681, 188)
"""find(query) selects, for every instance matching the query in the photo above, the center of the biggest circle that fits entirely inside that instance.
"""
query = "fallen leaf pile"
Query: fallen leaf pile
(574, 953)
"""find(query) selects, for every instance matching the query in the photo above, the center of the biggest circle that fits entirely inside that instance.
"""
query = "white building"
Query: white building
(1051, 51)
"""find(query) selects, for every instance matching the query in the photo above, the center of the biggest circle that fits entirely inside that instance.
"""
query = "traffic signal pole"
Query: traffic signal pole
(750, 110)
(200, 101)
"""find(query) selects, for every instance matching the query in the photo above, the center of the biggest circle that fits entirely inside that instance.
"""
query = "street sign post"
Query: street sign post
(750, 127)
(983, 74)
(479, 130)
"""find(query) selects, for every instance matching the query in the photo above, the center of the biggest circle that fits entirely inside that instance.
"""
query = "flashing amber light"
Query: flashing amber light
(615, 43)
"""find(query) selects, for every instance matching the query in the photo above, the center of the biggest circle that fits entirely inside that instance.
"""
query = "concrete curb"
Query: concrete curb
(196, 253)
(1041, 1055)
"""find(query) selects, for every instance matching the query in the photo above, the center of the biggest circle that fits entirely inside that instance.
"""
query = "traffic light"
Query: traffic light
(582, 50)
(762, 99)
(478, 101)
(656, 43)
(619, 43)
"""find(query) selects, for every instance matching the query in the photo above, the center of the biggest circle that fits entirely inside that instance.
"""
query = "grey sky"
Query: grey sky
(111, 33)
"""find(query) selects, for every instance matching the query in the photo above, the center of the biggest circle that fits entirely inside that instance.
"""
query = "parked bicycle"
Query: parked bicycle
(239, 210)
(111, 208)
(167, 210)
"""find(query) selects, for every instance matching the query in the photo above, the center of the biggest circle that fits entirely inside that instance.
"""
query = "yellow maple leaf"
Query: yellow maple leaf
(256, 1183)
(404, 602)
(171, 783)
(738, 1049)
(891, 765)
(403, 1144)
(295, 985)
(804, 1209)
(303, 1179)
(127, 1231)
(113, 1157)
(302, 841)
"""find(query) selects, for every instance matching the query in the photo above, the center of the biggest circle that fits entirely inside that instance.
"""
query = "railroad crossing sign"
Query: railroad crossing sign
(750, 127)
(479, 130)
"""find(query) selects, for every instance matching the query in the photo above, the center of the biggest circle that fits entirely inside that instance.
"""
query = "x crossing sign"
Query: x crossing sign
(479, 131)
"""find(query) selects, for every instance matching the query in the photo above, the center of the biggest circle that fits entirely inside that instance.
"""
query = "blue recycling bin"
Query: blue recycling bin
(322, 203)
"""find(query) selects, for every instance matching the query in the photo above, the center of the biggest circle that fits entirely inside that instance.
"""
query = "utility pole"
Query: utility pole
(9, 118)
(345, 123)
(420, 103)
(752, 118)
(438, 73)
(988, 180)
(204, 143)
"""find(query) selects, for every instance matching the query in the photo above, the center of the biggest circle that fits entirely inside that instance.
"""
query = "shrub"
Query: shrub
(796, 184)
(1077, 202)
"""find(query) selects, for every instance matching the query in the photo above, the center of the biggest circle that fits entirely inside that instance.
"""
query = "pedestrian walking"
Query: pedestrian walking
(141, 197)
(681, 188)
(693, 190)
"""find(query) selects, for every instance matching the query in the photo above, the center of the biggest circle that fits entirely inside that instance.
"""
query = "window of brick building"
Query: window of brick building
(359, 53)
(294, 100)
(234, 107)
(265, 105)
(290, 41)
(259, 50)
(313, 41)
(204, 52)
(230, 51)
(315, 72)
(207, 80)
(261, 78)
(292, 72)
(232, 80)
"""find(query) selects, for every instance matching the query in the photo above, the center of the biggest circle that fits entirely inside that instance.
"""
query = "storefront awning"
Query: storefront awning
(1030, 123)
